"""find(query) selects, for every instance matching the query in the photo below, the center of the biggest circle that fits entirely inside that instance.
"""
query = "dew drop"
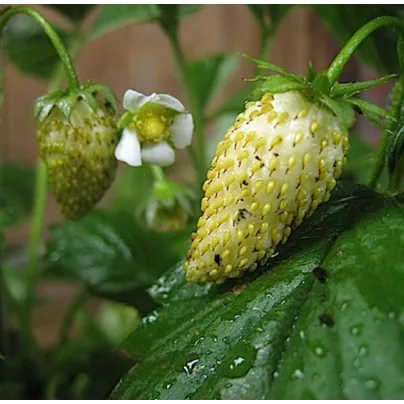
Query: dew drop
(168, 386)
(276, 374)
(302, 334)
(356, 330)
(371, 384)
(190, 366)
(320, 352)
(298, 374)
(363, 350)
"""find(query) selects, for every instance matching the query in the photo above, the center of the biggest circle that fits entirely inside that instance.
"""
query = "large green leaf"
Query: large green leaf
(74, 12)
(112, 255)
(26, 45)
(209, 75)
(379, 50)
(324, 320)
(17, 183)
(114, 16)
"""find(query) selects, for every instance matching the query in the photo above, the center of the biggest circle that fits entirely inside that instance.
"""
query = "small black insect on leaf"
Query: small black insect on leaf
(218, 259)
(320, 274)
(326, 320)
(245, 183)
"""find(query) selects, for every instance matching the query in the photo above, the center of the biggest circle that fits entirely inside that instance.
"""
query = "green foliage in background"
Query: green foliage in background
(323, 320)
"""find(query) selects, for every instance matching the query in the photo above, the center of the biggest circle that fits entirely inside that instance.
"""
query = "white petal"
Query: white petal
(167, 101)
(160, 154)
(133, 100)
(128, 149)
(182, 130)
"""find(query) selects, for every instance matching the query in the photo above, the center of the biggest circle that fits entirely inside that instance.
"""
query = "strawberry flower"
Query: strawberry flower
(153, 127)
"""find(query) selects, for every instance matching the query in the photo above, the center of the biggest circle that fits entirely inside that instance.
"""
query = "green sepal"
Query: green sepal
(322, 84)
(270, 66)
(66, 105)
(125, 120)
(311, 72)
(279, 84)
(395, 148)
(105, 91)
(347, 90)
(372, 112)
(89, 99)
(44, 105)
(67, 99)
(342, 110)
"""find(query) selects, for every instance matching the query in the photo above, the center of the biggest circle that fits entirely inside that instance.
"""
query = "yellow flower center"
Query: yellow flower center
(152, 123)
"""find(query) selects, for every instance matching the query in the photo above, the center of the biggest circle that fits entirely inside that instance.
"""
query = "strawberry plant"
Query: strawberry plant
(268, 267)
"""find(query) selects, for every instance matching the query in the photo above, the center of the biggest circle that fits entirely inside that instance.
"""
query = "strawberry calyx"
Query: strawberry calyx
(66, 100)
(340, 98)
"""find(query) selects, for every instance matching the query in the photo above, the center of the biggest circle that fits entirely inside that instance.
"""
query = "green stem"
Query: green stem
(336, 67)
(158, 173)
(199, 157)
(57, 42)
(34, 242)
(395, 112)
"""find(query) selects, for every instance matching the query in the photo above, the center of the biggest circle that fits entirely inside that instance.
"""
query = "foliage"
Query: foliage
(323, 319)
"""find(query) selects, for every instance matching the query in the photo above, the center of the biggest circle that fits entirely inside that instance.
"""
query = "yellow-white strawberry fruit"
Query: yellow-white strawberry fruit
(276, 164)
(79, 156)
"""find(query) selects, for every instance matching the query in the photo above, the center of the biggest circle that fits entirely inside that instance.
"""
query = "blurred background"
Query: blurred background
(139, 57)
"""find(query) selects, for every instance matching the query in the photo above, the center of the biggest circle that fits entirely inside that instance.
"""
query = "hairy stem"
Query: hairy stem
(48, 28)
(158, 173)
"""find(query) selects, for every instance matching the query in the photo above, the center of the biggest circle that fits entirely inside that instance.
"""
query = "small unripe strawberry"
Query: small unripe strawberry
(276, 164)
(79, 154)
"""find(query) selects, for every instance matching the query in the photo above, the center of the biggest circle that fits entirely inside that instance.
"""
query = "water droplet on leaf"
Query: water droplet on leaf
(190, 366)
(297, 374)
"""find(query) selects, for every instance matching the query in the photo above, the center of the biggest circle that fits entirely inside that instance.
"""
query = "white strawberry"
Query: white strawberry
(276, 164)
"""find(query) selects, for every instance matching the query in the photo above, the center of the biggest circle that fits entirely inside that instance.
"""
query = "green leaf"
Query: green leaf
(115, 16)
(25, 44)
(116, 321)
(209, 75)
(17, 183)
(74, 12)
(324, 320)
(341, 109)
(280, 84)
(379, 50)
(112, 255)
(347, 90)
